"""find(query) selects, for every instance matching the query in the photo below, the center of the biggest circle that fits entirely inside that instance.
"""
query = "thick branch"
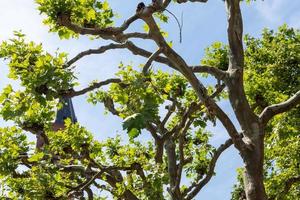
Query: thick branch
(246, 117)
(196, 187)
(273, 110)
(235, 34)
(159, 143)
(109, 32)
(127, 45)
(142, 52)
(135, 35)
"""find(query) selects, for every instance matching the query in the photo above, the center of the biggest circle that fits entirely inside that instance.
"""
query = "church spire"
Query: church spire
(67, 111)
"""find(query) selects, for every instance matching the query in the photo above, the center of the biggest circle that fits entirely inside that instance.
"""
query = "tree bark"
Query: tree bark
(253, 158)
(159, 145)
(174, 189)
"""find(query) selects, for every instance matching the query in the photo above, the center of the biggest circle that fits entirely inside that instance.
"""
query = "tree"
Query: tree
(69, 162)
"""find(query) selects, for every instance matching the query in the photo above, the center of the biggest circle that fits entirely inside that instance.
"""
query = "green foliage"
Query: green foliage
(72, 136)
(116, 154)
(23, 108)
(74, 146)
(139, 97)
(42, 77)
(47, 173)
(38, 71)
(13, 143)
(273, 64)
(282, 156)
(198, 149)
(216, 55)
(134, 124)
(86, 13)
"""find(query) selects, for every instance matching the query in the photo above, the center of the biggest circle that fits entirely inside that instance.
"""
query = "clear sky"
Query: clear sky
(203, 24)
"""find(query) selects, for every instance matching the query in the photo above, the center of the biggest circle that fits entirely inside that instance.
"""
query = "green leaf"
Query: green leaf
(36, 157)
(133, 133)
(135, 121)
(200, 123)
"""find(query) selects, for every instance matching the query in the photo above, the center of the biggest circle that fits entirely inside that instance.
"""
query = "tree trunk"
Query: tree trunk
(253, 136)
(253, 174)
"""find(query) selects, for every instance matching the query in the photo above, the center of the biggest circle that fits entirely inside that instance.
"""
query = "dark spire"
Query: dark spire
(67, 111)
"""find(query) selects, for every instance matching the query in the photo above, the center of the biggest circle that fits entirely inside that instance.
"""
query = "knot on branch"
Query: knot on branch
(140, 7)
(63, 18)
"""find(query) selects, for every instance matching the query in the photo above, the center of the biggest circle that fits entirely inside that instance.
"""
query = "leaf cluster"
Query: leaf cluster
(86, 13)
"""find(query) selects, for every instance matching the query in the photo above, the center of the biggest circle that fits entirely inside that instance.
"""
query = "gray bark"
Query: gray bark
(253, 158)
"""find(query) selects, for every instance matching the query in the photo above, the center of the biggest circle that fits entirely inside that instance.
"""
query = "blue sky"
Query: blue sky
(203, 24)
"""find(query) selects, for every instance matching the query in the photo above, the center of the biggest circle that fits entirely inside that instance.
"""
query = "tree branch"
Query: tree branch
(127, 45)
(100, 50)
(172, 167)
(159, 143)
(106, 33)
(186, 71)
(171, 109)
(238, 100)
(217, 73)
(38, 130)
(188, 112)
(85, 184)
(90, 193)
(181, 144)
(196, 187)
(135, 35)
(275, 109)
(142, 52)
(150, 60)
(219, 89)
(90, 88)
